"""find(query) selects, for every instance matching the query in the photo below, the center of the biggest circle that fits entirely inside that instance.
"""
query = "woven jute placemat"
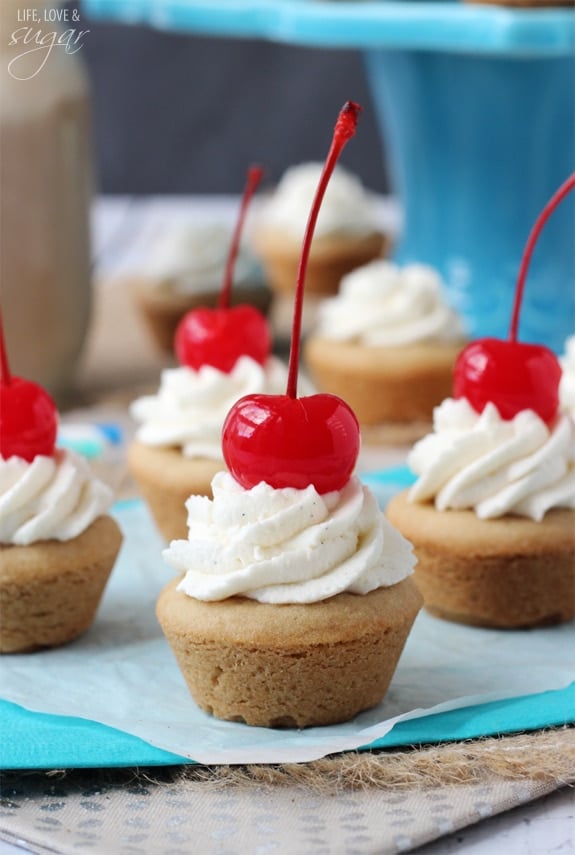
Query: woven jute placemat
(546, 756)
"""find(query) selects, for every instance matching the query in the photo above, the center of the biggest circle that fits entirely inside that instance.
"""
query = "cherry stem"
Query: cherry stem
(557, 197)
(253, 179)
(342, 133)
(5, 376)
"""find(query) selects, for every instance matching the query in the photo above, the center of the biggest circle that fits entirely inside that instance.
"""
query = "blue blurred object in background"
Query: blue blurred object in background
(91, 440)
(386, 483)
(478, 145)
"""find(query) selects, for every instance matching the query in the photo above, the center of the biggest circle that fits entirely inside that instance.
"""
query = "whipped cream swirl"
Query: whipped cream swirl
(347, 206)
(567, 383)
(495, 466)
(190, 406)
(288, 545)
(190, 257)
(383, 305)
(49, 498)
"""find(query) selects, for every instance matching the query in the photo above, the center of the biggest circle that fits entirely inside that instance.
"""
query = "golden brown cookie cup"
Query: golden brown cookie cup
(331, 257)
(289, 665)
(163, 308)
(165, 479)
(506, 573)
(50, 590)
(385, 386)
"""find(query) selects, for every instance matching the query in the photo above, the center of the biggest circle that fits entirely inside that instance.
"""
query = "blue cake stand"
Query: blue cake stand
(477, 105)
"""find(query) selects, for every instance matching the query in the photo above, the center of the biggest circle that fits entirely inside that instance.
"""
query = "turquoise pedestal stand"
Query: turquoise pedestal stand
(477, 145)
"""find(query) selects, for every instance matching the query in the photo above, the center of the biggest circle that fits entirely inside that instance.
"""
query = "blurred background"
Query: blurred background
(137, 113)
(186, 114)
(133, 114)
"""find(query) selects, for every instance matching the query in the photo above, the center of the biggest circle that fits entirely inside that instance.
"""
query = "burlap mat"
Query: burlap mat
(546, 756)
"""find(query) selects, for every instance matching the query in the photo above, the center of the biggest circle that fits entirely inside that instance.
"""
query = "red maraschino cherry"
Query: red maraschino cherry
(282, 439)
(219, 336)
(513, 375)
(28, 415)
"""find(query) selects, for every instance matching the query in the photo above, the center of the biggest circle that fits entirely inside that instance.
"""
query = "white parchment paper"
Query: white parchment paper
(122, 672)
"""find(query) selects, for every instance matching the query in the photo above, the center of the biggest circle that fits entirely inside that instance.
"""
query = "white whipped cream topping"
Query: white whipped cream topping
(347, 206)
(49, 498)
(288, 545)
(381, 304)
(190, 406)
(567, 383)
(190, 257)
(495, 466)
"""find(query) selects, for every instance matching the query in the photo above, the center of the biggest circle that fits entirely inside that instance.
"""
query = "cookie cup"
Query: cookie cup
(507, 573)
(163, 308)
(165, 479)
(384, 385)
(50, 590)
(289, 665)
(331, 257)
